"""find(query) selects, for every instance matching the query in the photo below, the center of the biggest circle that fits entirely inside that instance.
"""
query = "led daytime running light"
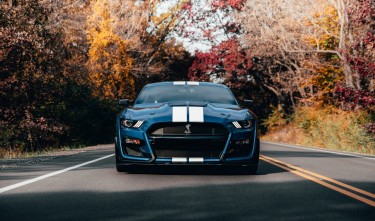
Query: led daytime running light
(236, 124)
(138, 124)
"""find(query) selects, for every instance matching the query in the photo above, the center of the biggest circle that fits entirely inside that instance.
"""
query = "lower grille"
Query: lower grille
(207, 146)
(188, 139)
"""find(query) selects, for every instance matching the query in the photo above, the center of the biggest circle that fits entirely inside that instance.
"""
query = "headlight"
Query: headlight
(131, 123)
(243, 124)
(246, 123)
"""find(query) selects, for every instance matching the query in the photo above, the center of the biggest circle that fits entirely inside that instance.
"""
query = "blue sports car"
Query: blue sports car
(189, 123)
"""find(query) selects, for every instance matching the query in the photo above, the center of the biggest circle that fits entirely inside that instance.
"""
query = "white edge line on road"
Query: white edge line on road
(318, 150)
(14, 186)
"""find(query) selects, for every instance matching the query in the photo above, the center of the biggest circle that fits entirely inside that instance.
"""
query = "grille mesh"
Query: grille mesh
(188, 140)
(187, 129)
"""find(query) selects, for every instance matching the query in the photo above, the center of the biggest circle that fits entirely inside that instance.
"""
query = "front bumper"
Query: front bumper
(237, 147)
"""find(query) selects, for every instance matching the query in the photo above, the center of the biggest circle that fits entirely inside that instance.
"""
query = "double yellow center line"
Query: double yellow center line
(353, 192)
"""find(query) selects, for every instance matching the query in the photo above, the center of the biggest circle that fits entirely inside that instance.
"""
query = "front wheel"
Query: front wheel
(119, 168)
(122, 168)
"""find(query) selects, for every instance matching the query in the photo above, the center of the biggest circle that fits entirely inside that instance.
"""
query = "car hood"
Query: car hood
(187, 112)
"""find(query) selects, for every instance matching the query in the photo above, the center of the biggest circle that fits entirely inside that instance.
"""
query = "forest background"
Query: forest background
(309, 65)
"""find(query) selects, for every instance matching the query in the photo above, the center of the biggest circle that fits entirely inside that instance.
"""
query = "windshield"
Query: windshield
(168, 93)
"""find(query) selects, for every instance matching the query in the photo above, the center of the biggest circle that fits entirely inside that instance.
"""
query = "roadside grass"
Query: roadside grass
(12, 154)
(329, 127)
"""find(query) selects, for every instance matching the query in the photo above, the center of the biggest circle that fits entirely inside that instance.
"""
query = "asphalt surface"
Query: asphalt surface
(95, 191)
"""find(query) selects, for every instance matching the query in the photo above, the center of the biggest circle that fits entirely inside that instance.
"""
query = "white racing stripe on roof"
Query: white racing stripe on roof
(196, 160)
(192, 83)
(179, 160)
(196, 114)
(179, 114)
(179, 82)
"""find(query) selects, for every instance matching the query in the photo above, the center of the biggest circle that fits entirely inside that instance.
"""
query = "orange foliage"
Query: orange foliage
(324, 81)
(108, 61)
(326, 68)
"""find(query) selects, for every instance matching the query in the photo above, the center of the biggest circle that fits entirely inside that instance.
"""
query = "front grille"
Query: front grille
(167, 129)
(188, 140)
(185, 147)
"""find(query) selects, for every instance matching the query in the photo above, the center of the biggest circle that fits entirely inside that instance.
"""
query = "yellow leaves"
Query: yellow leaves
(108, 61)
(323, 37)
(167, 20)
(326, 27)
(324, 79)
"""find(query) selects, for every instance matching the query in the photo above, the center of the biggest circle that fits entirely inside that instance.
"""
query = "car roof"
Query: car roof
(185, 83)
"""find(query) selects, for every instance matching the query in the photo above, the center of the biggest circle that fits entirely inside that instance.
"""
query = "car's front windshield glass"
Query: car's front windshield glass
(170, 93)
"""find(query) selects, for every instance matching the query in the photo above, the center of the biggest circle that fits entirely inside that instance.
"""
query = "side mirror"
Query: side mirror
(248, 103)
(123, 102)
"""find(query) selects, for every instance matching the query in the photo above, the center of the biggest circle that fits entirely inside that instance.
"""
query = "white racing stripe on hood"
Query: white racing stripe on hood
(192, 83)
(179, 83)
(196, 114)
(179, 114)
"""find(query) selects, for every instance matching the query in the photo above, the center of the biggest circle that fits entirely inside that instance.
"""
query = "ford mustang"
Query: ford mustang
(186, 123)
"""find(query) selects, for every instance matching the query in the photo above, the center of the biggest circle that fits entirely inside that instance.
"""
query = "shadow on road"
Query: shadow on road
(199, 170)
(249, 201)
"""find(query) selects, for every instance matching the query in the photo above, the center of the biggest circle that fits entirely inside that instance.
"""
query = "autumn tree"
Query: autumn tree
(360, 56)
(150, 32)
(108, 62)
(326, 67)
(229, 60)
(310, 39)
(69, 18)
(212, 24)
(30, 77)
(297, 44)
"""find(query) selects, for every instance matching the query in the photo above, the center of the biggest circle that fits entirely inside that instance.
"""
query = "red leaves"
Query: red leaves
(355, 99)
(362, 66)
(187, 6)
(218, 4)
(360, 57)
(203, 64)
(207, 21)
(233, 57)
(224, 4)
(370, 128)
(227, 59)
(360, 11)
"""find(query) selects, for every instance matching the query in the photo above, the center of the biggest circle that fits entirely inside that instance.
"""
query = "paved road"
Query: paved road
(291, 184)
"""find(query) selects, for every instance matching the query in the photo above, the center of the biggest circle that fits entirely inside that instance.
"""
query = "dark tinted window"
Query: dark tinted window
(168, 93)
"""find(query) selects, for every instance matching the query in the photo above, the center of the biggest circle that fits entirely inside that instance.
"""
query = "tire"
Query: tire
(122, 168)
(253, 169)
(119, 168)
